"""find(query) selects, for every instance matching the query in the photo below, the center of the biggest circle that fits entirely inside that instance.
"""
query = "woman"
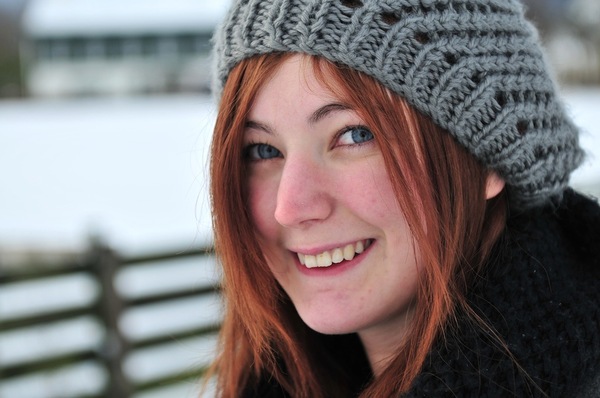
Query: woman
(390, 205)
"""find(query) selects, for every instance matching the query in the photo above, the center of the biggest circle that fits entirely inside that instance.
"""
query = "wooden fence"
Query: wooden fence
(109, 307)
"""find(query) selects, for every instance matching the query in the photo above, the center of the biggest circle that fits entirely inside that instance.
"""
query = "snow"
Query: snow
(583, 104)
(132, 171)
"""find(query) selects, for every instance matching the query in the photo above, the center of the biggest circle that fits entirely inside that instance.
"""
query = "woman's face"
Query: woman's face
(324, 210)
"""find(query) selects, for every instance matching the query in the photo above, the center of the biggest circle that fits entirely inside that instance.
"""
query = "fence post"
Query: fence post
(105, 263)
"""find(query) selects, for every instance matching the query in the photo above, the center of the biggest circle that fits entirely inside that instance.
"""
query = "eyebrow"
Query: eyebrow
(316, 116)
(324, 111)
(251, 124)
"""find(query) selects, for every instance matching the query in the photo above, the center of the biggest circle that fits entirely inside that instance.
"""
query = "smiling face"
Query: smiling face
(324, 210)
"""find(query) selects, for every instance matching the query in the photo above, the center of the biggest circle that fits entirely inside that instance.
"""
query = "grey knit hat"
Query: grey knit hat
(474, 66)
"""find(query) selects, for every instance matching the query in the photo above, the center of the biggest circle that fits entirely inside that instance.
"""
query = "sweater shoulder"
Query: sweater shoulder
(590, 389)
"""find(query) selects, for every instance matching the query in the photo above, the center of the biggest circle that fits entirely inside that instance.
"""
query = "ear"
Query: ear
(494, 185)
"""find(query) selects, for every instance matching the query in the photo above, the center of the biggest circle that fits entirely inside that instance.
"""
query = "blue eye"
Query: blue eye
(355, 135)
(261, 152)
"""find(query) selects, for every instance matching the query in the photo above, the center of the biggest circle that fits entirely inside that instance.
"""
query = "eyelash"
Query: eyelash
(254, 144)
(347, 129)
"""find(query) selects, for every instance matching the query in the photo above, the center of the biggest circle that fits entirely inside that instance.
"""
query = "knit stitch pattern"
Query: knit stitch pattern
(474, 66)
(540, 293)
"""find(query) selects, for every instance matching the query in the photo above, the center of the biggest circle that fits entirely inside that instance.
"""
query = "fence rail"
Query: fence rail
(108, 310)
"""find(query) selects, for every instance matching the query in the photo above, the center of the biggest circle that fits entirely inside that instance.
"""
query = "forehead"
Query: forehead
(292, 86)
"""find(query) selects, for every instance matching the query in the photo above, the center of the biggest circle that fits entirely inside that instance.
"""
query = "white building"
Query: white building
(81, 47)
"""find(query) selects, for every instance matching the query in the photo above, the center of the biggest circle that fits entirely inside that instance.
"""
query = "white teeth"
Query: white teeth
(324, 259)
(310, 261)
(359, 247)
(349, 252)
(334, 256)
(337, 256)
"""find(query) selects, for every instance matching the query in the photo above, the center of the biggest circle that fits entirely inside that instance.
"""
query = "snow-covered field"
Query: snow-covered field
(584, 106)
(129, 170)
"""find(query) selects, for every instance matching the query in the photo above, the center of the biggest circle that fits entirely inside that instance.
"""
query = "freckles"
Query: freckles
(262, 208)
(382, 202)
(381, 198)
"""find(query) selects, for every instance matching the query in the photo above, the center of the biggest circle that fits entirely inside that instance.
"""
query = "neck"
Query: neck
(381, 343)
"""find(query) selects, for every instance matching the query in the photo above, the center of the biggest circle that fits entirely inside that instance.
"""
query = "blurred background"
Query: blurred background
(107, 282)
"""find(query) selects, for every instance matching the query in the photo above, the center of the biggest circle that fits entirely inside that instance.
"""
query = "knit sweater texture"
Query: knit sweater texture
(541, 294)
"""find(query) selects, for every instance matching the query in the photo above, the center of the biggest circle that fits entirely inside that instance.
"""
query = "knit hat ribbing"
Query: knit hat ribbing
(474, 66)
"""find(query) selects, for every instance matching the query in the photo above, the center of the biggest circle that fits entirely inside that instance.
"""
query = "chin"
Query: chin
(330, 326)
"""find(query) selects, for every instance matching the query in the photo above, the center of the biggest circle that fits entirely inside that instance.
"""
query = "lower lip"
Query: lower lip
(333, 269)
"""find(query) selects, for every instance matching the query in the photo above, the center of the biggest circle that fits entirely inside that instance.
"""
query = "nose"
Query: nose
(304, 195)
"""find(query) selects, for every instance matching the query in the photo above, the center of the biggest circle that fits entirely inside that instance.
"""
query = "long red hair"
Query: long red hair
(441, 190)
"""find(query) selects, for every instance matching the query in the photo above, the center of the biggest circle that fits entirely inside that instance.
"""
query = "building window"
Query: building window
(59, 49)
(114, 47)
(149, 45)
(167, 47)
(95, 49)
(132, 47)
(43, 49)
(77, 47)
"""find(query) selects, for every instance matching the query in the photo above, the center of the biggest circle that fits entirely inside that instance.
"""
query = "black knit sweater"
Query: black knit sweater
(541, 294)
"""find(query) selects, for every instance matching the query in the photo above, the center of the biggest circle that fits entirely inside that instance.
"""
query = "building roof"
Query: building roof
(121, 17)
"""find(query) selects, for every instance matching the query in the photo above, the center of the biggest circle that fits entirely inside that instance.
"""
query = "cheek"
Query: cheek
(380, 198)
(376, 195)
(262, 197)
(262, 202)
